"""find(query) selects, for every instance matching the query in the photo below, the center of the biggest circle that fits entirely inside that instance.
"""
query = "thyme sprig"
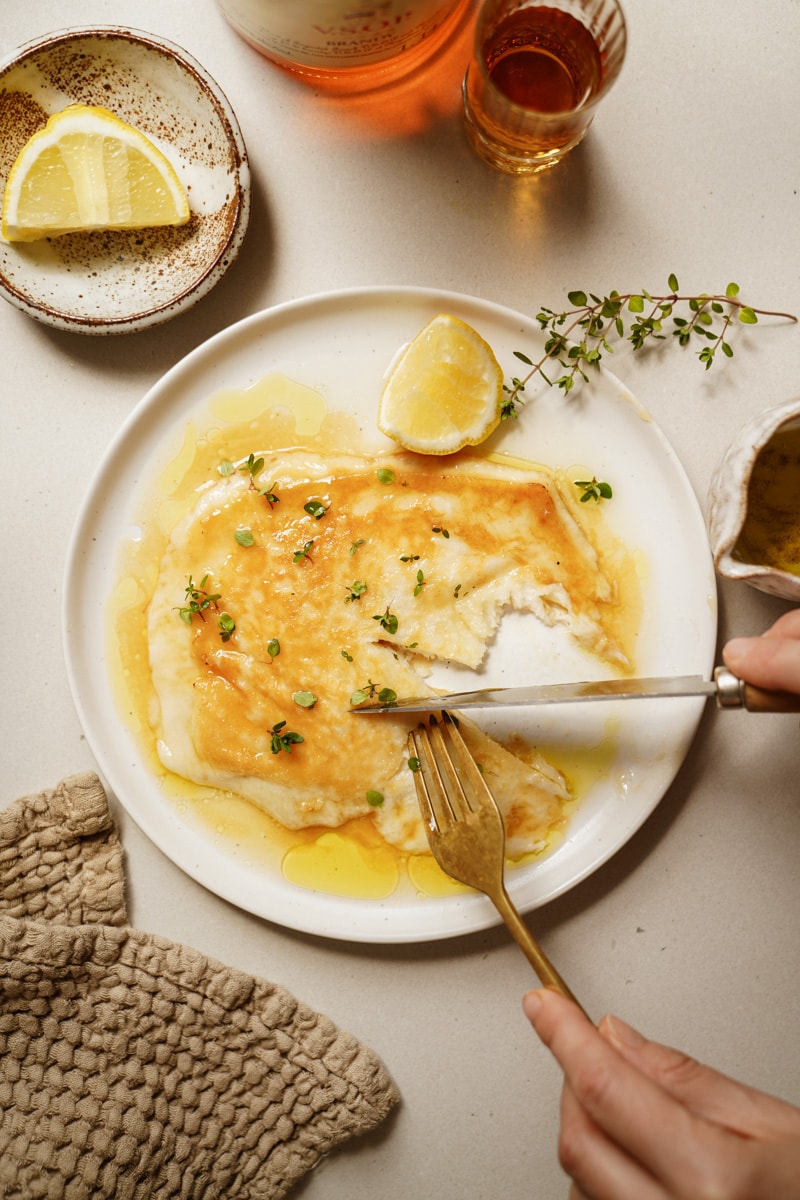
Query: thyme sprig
(252, 467)
(372, 691)
(198, 600)
(594, 489)
(578, 337)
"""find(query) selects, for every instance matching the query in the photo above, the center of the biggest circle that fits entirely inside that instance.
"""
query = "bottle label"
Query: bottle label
(335, 33)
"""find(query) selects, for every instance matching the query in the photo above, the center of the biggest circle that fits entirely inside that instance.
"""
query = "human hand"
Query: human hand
(771, 661)
(642, 1122)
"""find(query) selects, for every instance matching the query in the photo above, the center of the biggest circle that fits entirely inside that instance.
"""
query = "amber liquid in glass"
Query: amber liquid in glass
(544, 60)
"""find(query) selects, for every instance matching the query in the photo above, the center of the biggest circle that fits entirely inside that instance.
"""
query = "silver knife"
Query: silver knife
(725, 687)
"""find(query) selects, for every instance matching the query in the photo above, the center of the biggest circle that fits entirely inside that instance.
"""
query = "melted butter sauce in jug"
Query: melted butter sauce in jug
(770, 534)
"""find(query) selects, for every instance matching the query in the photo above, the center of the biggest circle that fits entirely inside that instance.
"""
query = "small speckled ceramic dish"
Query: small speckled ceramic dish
(121, 281)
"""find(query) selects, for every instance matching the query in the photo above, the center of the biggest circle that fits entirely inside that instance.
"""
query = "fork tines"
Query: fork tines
(455, 786)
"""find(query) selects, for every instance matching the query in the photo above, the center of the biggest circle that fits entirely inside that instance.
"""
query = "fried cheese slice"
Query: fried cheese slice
(361, 572)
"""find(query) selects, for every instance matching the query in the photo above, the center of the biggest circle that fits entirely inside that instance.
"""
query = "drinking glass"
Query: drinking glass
(538, 71)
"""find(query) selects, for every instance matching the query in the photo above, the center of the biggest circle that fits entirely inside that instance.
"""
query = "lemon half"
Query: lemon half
(443, 391)
(87, 169)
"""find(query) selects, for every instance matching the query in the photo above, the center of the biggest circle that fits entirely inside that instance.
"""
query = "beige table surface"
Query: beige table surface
(690, 930)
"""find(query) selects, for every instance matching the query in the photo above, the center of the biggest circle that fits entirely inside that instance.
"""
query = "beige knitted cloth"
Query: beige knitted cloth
(134, 1067)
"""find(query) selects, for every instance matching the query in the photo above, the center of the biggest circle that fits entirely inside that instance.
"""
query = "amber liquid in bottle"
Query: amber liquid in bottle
(544, 60)
(344, 47)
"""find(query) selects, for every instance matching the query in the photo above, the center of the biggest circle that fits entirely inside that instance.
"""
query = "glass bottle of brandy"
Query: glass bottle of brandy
(342, 44)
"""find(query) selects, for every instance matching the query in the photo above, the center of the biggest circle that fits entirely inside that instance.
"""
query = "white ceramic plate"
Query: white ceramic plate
(125, 280)
(340, 344)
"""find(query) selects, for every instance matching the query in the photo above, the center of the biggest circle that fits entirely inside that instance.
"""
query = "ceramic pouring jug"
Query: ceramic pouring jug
(754, 504)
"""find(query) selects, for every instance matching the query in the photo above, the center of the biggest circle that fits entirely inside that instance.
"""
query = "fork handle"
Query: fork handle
(547, 974)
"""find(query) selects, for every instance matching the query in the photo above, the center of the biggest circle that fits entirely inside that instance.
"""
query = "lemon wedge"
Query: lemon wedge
(443, 391)
(87, 169)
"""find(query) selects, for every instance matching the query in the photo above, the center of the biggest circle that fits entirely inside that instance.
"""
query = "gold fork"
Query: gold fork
(465, 829)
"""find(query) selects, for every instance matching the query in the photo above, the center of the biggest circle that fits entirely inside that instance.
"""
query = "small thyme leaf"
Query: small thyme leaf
(355, 591)
(440, 529)
(420, 584)
(304, 699)
(269, 494)
(346, 654)
(226, 467)
(375, 799)
(508, 405)
(409, 558)
(273, 647)
(384, 475)
(315, 508)
(299, 555)
(355, 545)
(226, 626)
(414, 764)
(244, 537)
(387, 620)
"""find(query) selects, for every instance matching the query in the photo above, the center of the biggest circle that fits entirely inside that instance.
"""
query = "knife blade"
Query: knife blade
(725, 687)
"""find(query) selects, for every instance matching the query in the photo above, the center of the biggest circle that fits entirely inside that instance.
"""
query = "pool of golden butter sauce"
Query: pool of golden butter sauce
(353, 860)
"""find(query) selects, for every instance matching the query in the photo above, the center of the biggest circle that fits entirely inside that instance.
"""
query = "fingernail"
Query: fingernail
(620, 1031)
(531, 1003)
(737, 648)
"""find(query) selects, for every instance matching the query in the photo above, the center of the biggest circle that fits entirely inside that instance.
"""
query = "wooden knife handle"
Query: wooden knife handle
(733, 692)
(757, 700)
